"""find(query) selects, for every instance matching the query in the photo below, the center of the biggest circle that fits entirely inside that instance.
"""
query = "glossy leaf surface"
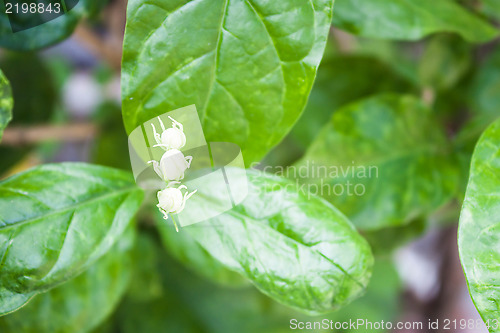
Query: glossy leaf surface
(57, 219)
(247, 65)
(383, 161)
(298, 249)
(82, 303)
(478, 235)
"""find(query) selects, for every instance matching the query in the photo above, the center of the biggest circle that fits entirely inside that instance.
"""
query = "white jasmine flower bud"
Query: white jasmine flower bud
(172, 165)
(172, 201)
(171, 138)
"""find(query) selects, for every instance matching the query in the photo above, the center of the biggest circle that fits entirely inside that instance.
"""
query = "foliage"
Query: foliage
(275, 232)
(385, 149)
(83, 302)
(396, 108)
(52, 208)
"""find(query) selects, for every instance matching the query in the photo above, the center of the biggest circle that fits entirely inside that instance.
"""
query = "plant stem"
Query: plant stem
(26, 135)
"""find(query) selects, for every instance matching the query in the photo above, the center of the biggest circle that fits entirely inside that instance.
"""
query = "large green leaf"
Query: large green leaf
(82, 303)
(6, 103)
(383, 161)
(57, 219)
(247, 65)
(409, 19)
(47, 33)
(478, 234)
(298, 249)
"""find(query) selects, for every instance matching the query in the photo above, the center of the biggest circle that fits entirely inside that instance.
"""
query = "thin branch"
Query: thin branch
(344, 41)
(21, 135)
(428, 96)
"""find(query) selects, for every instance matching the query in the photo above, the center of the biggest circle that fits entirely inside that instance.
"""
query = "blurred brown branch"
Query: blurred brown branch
(23, 135)
(344, 41)
(428, 96)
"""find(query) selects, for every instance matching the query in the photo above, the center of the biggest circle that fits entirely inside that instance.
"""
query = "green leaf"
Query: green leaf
(12, 301)
(298, 249)
(48, 33)
(6, 103)
(341, 80)
(478, 234)
(383, 161)
(409, 19)
(82, 303)
(187, 251)
(247, 65)
(57, 219)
